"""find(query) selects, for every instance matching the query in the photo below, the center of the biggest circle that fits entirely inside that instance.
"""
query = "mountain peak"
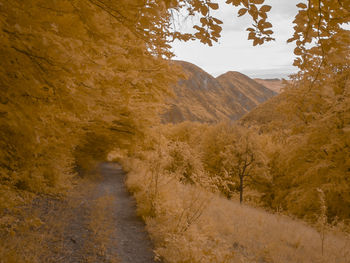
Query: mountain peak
(232, 73)
(236, 76)
(203, 98)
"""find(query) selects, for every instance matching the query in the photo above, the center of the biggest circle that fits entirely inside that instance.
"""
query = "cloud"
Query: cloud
(286, 8)
(282, 71)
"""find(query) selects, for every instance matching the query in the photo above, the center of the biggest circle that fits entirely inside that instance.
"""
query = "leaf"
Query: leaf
(216, 35)
(267, 25)
(197, 27)
(263, 15)
(251, 35)
(233, 2)
(242, 11)
(216, 28)
(217, 21)
(204, 10)
(257, 2)
(302, 5)
(268, 32)
(263, 24)
(253, 11)
(265, 8)
(214, 6)
(297, 51)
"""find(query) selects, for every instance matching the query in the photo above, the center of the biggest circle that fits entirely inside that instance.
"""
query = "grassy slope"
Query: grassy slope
(224, 231)
(273, 84)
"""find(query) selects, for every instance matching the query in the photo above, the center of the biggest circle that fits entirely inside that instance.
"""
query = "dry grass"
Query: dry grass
(226, 231)
(260, 236)
(38, 231)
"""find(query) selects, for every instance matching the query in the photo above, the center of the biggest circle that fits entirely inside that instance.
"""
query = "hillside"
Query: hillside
(269, 115)
(310, 150)
(273, 84)
(248, 92)
(203, 98)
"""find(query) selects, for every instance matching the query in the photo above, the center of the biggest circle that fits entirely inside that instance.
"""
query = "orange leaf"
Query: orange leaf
(265, 8)
(257, 2)
(213, 5)
(302, 5)
(242, 11)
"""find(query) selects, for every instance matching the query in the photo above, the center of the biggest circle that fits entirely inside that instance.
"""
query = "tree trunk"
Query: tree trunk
(241, 189)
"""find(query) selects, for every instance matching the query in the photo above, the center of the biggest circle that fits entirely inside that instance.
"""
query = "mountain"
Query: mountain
(270, 115)
(201, 97)
(273, 84)
(248, 92)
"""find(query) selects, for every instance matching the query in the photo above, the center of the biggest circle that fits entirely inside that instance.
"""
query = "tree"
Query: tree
(155, 21)
(241, 159)
(59, 80)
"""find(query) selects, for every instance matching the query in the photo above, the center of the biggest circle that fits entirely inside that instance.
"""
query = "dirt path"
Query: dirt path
(133, 244)
(95, 222)
(102, 225)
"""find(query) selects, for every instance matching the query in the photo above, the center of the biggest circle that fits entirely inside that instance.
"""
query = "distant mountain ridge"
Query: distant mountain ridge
(203, 98)
(272, 84)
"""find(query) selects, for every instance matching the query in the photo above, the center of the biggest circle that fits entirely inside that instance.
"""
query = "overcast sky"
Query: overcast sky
(235, 53)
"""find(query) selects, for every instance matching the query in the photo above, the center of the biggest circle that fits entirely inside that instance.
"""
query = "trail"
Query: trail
(103, 225)
(133, 244)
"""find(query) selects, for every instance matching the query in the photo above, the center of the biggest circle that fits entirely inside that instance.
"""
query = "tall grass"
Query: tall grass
(194, 225)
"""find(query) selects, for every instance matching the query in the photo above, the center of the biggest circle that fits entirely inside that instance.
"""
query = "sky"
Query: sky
(234, 52)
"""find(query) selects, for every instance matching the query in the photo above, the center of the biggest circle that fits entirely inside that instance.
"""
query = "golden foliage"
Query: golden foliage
(79, 78)
(71, 76)
(189, 223)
